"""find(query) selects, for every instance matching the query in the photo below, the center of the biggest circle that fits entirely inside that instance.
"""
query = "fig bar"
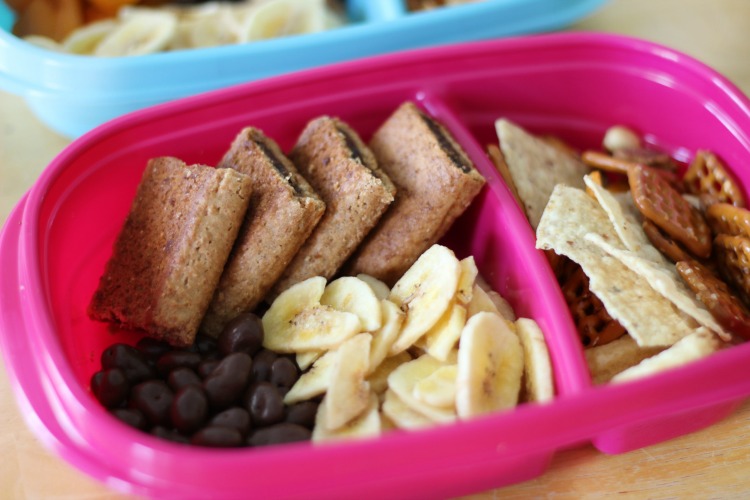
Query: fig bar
(169, 255)
(436, 182)
(346, 175)
(284, 209)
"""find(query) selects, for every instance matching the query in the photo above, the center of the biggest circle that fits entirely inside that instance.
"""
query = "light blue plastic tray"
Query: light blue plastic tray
(72, 94)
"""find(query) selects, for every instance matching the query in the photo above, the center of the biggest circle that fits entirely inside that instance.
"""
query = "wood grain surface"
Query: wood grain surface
(712, 463)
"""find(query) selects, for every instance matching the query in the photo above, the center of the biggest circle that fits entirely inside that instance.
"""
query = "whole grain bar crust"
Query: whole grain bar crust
(170, 253)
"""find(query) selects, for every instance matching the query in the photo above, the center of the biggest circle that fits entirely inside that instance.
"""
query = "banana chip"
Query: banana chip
(439, 388)
(298, 322)
(353, 295)
(381, 289)
(367, 425)
(401, 415)
(440, 340)
(383, 339)
(405, 378)
(425, 292)
(539, 384)
(314, 381)
(490, 366)
(348, 393)
(379, 378)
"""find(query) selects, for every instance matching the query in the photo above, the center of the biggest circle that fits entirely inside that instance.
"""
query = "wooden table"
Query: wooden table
(712, 463)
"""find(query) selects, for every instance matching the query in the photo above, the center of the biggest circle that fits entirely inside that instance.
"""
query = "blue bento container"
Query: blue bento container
(72, 93)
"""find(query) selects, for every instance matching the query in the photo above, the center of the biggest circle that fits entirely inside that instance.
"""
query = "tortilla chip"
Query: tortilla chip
(625, 223)
(607, 360)
(536, 167)
(697, 345)
(664, 279)
(626, 201)
(650, 318)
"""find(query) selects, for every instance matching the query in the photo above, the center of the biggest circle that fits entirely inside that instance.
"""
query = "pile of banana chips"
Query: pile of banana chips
(438, 347)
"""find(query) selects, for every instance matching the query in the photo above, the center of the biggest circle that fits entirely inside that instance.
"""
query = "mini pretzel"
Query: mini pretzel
(724, 218)
(649, 157)
(595, 325)
(596, 177)
(717, 297)
(665, 207)
(664, 243)
(603, 161)
(707, 174)
(733, 259)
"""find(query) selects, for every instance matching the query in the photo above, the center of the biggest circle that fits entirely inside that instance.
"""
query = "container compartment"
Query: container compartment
(621, 87)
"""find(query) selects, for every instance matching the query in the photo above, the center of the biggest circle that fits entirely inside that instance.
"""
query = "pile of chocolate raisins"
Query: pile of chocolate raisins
(224, 392)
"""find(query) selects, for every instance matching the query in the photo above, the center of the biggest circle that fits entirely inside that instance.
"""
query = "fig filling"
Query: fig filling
(280, 168)
(445, 144)
(351, 144)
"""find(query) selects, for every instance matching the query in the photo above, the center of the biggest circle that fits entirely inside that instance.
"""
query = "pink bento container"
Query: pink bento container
(55, 244)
